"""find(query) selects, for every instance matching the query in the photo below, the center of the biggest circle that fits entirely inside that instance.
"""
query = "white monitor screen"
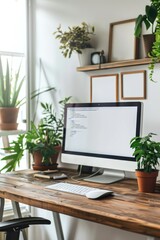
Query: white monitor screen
(101, 131)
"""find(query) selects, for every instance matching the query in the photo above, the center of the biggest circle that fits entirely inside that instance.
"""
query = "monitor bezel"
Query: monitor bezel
(138, 106)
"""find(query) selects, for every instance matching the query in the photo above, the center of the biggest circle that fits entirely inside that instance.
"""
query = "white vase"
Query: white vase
(85, 56)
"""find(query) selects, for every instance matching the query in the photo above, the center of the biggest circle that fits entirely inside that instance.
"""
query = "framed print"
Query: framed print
(133, 85)
(123, 45)
(104, 88)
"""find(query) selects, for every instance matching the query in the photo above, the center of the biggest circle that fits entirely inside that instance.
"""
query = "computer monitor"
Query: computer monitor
(99, 134)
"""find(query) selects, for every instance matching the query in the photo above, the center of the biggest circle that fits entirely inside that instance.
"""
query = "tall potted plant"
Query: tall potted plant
(10, 87)
(42, 141)
(10, 101)
(76, 39)
(147, 154)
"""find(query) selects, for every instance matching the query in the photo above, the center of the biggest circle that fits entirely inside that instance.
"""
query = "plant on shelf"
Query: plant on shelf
(42, 141)
(75, 39)
(147, 154)
(10, 87)
(149, 20)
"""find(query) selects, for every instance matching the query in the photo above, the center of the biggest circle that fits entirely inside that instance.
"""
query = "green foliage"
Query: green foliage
(40, 138)
(75, 39)
(148, 19)
(154, 13)
(155, 53)
(10, 86)
(146, 152)
(16, 150)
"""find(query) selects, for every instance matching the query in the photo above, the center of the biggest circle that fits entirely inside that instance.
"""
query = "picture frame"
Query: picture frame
(133, 85)
(123, 46)
(104, 88)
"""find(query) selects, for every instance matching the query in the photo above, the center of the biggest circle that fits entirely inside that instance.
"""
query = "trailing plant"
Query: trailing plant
(146, 152)
(75, 39)
(42, 138)
(155, 53)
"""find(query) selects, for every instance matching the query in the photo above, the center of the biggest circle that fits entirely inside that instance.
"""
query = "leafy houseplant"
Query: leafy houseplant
(75, 39)
(41, 139)
(149, 20)
(147, 153)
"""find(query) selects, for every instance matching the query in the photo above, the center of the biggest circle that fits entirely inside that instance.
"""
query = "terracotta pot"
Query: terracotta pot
(146, 181)
(8, 118)
(148, 40)
(39, 165)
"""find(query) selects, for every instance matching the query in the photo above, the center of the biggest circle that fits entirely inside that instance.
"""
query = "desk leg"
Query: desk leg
(1, 209)
(17, 213)
(58, 226)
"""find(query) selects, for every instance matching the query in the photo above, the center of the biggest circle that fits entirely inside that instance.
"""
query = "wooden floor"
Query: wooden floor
(127, 209)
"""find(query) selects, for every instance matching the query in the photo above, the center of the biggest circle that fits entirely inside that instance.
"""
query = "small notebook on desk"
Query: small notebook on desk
(54, 174)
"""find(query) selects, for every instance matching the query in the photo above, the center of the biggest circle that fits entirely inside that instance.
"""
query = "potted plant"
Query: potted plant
(149, 20)
(76, 39)
(147, 153)
(10, 86)
(42, 141)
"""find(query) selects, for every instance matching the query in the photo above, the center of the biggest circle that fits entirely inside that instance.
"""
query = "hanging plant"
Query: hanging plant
(155, 53)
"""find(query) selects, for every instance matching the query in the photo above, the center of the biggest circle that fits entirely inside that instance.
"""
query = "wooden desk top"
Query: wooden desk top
(127, 209)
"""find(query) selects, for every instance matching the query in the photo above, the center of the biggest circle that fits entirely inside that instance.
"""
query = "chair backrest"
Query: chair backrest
(14, 226)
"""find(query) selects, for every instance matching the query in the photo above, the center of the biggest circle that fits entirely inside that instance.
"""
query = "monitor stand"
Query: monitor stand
(108, 176)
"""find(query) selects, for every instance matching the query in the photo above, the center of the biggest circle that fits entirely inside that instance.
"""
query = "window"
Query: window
(13, 49)
(13, 25)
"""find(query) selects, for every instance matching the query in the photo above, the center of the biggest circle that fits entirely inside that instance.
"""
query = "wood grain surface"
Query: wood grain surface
(128, 209)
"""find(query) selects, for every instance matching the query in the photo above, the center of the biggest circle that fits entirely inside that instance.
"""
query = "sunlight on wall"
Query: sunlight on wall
(12, 20)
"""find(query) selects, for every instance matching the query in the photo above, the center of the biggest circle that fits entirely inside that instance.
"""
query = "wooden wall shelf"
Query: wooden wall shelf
(126, 63)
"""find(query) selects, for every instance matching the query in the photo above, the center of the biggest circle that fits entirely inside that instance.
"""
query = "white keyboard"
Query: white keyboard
(72, 188)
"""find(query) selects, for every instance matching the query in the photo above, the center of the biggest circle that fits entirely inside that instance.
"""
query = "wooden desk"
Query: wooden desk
(128, 209)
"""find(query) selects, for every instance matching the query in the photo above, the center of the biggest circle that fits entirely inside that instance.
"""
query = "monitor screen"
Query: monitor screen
(99, 134)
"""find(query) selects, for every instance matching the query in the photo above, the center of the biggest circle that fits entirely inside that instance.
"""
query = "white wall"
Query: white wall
(61, 73)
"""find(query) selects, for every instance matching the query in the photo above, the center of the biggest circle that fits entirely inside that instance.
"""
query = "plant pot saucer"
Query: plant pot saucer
(44, 167)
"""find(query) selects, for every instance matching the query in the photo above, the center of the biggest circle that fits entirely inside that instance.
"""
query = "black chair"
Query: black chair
(14, 226)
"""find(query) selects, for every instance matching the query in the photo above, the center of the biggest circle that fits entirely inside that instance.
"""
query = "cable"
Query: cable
(81, 178)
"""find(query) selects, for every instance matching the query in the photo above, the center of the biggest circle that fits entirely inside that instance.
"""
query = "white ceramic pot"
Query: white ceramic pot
(85, 57)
